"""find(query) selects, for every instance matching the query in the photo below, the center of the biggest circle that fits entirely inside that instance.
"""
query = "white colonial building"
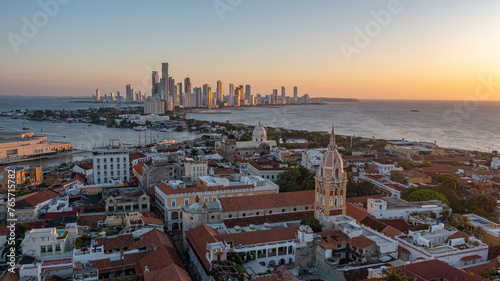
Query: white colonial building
(390, 208)
(443, 243)
(110, 165)
(47, 242)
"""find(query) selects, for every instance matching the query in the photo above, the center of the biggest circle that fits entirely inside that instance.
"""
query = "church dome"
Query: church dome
(259, 134)
(331, 164)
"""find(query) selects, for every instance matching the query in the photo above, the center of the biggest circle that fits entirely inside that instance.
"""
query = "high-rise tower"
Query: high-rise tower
(331, 183)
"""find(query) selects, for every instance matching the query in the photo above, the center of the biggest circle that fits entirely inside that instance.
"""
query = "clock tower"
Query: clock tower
(331, 183)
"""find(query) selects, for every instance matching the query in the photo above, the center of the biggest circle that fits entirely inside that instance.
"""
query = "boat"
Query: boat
(25, 127)
(2, 128)
(140, 128)
(414, 110)
(165, 141)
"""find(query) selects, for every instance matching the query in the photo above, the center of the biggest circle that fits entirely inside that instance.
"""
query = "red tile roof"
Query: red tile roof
(172, 272)
(116, 243)
(256, 202)
(200, 236)
(138, 168)
(34, 199)
(90, 220)
(259, 220)
(458, 234)
(399, 224)
(227, 171)
(169, 190)
(363, 199)
(436, 270)
(86, 165)
(356, 212)
(361, 242)
(470, 258)
(136, 155)
(150, 220)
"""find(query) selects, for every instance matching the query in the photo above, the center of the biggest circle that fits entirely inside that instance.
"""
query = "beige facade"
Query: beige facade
(17, 146)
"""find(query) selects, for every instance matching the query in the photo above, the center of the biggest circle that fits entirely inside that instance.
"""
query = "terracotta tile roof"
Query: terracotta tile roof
(261, 236)
(169, 190)
(399, 224)
(146, 213)
(259, 220)
(4, 231)
(492, 264)
(404, 250)
(284, 274)
(458, 234)
(470, 258)
(53, 215)
(373, 223)
(227, 171)
(172, 272)
(138, 168)
(34, 199)
(151, 239)
(439, 158)
(436, 270)
(200, 236)
(414, 173)
(361, 242)
(90, 220)
(256, 202)
(116, 243)
(332, 239)
(258, 164)
(391, 232)
(136, 155)
(363, 199)
(86, 165)
(443, 169)
(150, 220)
(356, 212)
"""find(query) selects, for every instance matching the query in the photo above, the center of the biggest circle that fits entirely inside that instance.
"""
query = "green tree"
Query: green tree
(396, 275)
(295, 179)
(406, 164)
(363, 188)
(426, 194)
(313, 223)
(448, 180)
(481, 201)
(397, 176)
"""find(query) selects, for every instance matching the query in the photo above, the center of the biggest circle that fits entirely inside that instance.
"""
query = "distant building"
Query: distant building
(156, 107)
(228, 147)
(492, 229)
(125, 200)
(16, 146)
(22, 175)
(220, 93)
(408, 149)
(495, 163)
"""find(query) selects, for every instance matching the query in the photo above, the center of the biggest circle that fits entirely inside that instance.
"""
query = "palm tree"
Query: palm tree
(463, 223)
(396, 275)
(478, 232)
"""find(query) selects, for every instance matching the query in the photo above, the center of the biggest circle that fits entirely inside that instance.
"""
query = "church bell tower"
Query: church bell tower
(331, 183)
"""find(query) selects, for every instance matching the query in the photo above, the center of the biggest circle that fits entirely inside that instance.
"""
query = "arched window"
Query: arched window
(336, 202)
(331, 201)
(341, 201)
(336, 192)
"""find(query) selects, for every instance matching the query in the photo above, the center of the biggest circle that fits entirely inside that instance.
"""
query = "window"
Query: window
(186, 201)
(172, 203)
(144, 206)
(30, 216)
(206, 199)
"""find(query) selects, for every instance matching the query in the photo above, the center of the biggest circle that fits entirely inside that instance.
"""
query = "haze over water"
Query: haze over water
(386, 119)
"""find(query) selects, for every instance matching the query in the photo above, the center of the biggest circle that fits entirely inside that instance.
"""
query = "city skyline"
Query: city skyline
(265, 45)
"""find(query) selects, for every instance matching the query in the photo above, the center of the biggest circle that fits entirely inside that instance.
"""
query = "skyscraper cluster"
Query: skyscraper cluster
(166, 94)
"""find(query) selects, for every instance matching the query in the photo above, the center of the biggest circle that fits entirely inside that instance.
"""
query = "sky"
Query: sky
(368, 49)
